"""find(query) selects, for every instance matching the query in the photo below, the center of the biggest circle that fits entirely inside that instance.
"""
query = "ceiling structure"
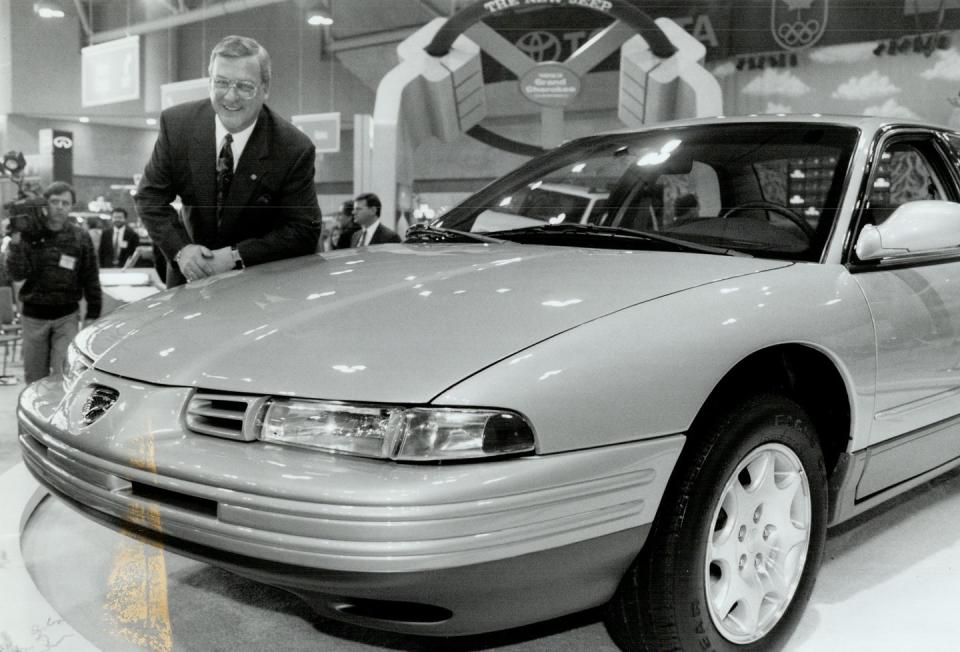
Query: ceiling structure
(366, 48)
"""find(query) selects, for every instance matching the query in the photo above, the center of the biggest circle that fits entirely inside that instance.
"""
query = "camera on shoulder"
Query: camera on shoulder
(27, 217)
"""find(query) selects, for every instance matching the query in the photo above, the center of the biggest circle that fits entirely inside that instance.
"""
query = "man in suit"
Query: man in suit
(243, 174)
(347, 226)
(366, 213)
(117, 242)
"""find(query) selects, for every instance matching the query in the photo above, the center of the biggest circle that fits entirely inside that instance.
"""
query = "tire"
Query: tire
(732, 556)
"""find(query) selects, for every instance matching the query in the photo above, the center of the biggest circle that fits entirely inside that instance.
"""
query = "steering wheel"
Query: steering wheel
(779, 210)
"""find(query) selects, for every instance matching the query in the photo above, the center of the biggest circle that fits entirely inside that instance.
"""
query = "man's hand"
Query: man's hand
(196, 262)
(222, 260)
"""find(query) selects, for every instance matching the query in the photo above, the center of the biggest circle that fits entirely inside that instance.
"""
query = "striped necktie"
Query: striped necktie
(224, 172)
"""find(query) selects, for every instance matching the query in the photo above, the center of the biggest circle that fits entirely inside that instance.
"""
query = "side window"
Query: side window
(955, 144)
(906, 171)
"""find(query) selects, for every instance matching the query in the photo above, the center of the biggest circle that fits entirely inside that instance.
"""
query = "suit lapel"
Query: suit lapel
(250, 173)
(203, 169)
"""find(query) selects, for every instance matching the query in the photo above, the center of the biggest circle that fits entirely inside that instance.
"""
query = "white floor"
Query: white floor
(889, 582)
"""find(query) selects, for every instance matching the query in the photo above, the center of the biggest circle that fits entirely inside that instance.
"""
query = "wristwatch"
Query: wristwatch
(237, 260)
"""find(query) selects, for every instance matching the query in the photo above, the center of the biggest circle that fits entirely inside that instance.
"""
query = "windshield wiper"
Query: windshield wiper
(423, 233)
(618, 232)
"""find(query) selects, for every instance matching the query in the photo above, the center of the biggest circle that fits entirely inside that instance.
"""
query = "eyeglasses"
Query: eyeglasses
(245, 89)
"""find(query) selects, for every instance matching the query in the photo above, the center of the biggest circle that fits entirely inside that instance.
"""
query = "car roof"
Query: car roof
(865, 123)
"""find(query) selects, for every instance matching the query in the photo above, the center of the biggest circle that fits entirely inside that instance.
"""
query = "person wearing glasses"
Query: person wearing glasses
(244, 175)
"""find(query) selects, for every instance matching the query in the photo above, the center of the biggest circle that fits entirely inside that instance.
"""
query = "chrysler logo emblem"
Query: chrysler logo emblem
(97, 404)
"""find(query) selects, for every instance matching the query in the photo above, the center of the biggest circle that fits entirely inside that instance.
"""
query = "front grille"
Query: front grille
(174, 499)
(100, 400)
(231, 416)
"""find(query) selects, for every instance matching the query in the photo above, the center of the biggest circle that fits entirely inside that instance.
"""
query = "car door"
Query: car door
(915, 303)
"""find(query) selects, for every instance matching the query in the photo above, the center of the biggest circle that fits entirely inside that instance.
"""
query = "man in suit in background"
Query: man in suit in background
(366, 213)
(118, 241)
(244, 175)
(347, 226)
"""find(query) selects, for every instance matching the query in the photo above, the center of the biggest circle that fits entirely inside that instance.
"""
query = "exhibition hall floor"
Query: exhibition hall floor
(890, 582)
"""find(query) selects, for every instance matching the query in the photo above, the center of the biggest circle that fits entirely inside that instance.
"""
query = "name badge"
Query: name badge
(68, 262)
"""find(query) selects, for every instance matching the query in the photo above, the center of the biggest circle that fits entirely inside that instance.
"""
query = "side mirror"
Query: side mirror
(925, 226)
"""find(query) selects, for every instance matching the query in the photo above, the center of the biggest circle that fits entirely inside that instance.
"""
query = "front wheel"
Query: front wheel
(732, 556)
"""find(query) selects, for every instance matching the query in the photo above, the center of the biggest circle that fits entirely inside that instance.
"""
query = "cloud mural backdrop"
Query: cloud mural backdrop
(851, 79)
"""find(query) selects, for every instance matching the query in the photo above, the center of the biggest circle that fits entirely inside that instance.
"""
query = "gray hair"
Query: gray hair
(242, 46)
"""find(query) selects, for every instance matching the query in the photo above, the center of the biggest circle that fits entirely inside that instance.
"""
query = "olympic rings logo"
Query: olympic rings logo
(803, 28)
(799, 33)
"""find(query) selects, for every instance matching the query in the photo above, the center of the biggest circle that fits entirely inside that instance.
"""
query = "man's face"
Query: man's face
(363, 214)
(238, 105)
(119, 220)
(58, 210)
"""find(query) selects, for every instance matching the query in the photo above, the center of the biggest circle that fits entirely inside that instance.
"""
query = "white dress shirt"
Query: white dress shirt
(368, 233)
(240, 140)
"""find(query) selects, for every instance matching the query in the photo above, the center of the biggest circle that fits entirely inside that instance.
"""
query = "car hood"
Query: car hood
(393, 323)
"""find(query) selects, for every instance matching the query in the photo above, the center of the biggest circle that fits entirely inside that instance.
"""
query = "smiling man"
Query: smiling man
(245, 175)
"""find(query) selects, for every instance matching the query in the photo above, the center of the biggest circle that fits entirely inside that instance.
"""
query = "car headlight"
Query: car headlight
(74, 366)
(410, 434)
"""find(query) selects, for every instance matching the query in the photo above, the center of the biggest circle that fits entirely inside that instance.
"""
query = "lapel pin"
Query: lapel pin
(253, 177)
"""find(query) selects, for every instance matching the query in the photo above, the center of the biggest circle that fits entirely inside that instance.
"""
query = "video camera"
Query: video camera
(27, 217)
(26, 212)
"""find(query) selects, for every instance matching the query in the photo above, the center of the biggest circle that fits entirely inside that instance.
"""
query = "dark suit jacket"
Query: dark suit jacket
(381, 235)
(345, 241)
(271, 209)
(131, 240)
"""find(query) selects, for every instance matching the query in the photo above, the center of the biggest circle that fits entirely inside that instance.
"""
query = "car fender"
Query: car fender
(647, 370)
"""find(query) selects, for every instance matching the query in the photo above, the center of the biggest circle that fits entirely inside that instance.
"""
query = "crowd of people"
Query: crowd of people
(245, 180)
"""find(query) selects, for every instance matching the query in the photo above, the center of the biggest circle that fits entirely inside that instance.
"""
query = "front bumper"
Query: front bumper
(445, 550)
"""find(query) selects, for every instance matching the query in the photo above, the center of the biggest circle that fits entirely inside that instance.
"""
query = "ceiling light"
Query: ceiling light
(84, 119)
(151, 121)
(317, 17)
(48, 9)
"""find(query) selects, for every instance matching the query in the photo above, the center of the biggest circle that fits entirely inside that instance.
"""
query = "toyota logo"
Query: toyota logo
(63, 142)
(540, 46)
(100, 400)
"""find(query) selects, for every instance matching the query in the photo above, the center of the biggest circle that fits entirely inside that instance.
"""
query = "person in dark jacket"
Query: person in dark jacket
(58, 266)
(245, 175)
(366, 211)
(118, 241)
(348, 226)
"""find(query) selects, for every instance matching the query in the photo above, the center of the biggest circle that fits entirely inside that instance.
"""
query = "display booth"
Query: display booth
(437, 90)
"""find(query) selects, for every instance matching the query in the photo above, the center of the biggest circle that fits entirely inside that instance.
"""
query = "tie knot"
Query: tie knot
(228, 138)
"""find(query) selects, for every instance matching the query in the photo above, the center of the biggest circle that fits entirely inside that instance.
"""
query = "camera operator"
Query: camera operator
(56, 260)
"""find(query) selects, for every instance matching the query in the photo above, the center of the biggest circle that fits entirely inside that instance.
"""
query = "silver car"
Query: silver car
(660, 412)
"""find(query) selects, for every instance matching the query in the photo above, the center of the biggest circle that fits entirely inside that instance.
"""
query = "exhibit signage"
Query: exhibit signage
(551, 30)
(322, 128)
(550, 84)
(110, 72)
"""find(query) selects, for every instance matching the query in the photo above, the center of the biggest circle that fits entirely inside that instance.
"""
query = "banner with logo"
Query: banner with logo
(552, 32)
(63, 155)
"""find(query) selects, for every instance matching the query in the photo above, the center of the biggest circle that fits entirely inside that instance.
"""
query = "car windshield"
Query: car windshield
(761, 189)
